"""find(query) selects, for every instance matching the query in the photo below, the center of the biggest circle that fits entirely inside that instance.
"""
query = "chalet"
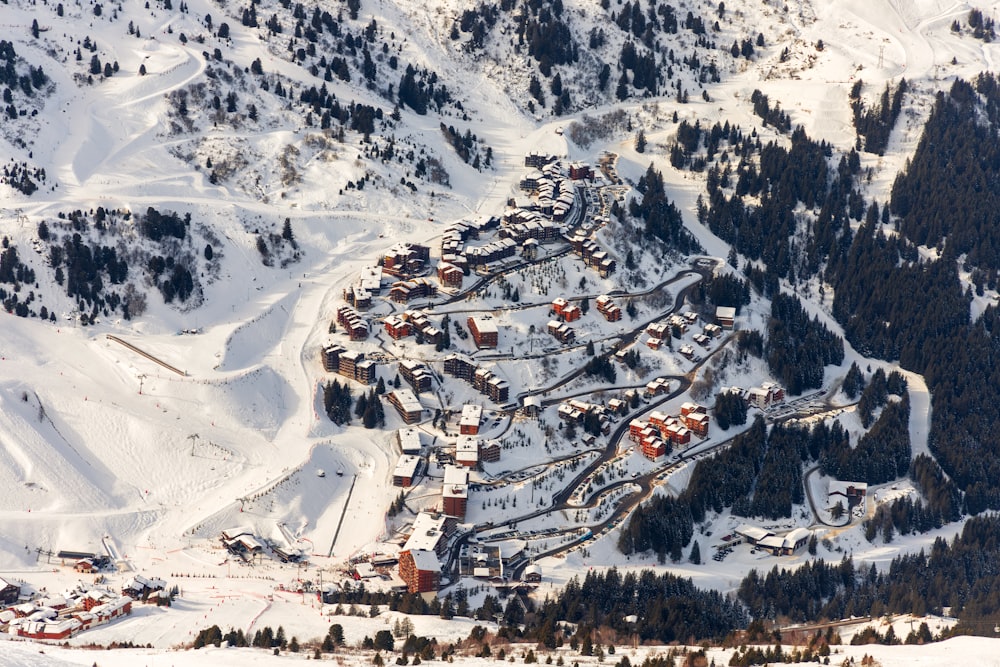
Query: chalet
(455, 492)
(352, 364)
(635, 428)
(420, 569)
(489, 452)
(84, 566)
(702, 340)
(430, 533)
(406, 259)
(653, 448)
(498, 390)
(409, 440)
(658, 330)
(765, 396)
(331, 357)
(533, 574)
(848, 493)
(405, 291)
(713, 330)
(538, 160)
(678, 324)
(580, 170)
(531, 180)
(484, 331)
(406, 470)
(617, 406)
(698, 423)
(725, 317)
(396, 327)
(658, 386)
(358, 297)
(494, 251)
(370, 280)
(529, 249)
(532, 406)
(608, 308)
(416, 374)
(459, 366)
(472, 415)
(572, 313)
(9, 592)
(561, 332)
(785, 545)
(676, 433)
(686, 351)
(654, 343)
(352, 322)
(407, 405)
(467, 452)
(450, 275)
(559, 305)
(480, 379)
(139, 587)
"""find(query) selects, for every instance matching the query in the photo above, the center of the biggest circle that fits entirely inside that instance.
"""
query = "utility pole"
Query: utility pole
(193, 438)
(142, 378)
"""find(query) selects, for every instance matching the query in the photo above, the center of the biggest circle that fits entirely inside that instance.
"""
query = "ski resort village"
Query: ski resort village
(651, 333)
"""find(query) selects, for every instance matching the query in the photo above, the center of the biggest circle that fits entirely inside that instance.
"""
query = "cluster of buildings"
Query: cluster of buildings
(552, 182)
(65, 618)
(59, 617)
(407, 405)
(658, 435)
(411, 323)
(575, 410)
(679, 323)
(453, 250)
(521, 225)
(349, 363)
(483, 380)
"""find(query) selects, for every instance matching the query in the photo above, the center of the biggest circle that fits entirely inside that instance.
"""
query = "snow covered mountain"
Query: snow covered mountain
(201, 180)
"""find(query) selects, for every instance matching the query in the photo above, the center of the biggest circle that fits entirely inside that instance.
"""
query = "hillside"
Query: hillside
(192, 188)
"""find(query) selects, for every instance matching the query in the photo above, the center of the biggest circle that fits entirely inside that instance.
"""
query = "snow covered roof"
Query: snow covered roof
(471, 415)
(455, 475)
(406, 466)
(797, 535)
(466, 447)
(427, 532)
(725, 312)
(426, 561)
(485, 325)
(772, 542)
(409, 440)
(753, 532)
